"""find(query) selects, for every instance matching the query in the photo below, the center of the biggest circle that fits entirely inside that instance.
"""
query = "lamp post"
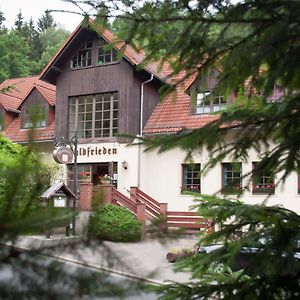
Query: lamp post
(74, 142)
(63, 154)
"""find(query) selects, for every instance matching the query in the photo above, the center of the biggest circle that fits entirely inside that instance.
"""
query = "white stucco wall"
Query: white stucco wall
(161, 176)
(162, 179)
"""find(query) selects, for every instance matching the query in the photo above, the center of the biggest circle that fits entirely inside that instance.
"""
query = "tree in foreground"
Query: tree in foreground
(256, 46)
(34, 273)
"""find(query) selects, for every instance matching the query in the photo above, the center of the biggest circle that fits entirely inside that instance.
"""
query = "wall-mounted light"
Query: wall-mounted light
(124, 164)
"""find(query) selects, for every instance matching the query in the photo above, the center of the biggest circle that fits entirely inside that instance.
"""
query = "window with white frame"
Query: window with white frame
(191, 177)
(83, 57)
(207, 98)
(94, 116)
(106, 54)
(207, 102)
(34, 116)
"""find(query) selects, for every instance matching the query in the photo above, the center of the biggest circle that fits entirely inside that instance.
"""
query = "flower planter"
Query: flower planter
(105, 182)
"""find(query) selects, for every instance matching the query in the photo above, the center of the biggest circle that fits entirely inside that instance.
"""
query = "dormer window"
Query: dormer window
(207, 102)
(207, 98)
(106, 55)
(83, 58)
(34, 116)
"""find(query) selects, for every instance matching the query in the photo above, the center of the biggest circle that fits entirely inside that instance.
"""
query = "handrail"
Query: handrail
(147, 198)
(124, 201)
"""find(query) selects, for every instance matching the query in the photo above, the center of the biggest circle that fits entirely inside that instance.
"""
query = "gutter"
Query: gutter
(141, 129)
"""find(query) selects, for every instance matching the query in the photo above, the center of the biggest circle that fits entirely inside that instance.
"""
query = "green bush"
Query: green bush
(114, 223)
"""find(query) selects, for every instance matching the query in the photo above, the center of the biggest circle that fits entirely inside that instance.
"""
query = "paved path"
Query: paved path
(146, 259)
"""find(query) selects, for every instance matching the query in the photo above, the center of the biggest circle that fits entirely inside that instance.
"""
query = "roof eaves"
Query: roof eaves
(61, 50)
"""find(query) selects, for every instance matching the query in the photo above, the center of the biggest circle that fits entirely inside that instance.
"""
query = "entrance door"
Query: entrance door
(102, 169)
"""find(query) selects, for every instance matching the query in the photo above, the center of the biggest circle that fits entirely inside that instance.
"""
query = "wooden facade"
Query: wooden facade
(118, 76)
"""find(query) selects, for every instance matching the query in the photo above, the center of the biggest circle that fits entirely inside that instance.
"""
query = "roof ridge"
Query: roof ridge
(43, 94)
(25, 77)
(45, 87)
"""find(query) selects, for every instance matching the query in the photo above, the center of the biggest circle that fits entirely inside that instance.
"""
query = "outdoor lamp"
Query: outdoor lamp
(124, 164)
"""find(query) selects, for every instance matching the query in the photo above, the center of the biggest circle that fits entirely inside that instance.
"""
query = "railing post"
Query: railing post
(85, 196)
(163, 209)
(141, 216)
(133, 193)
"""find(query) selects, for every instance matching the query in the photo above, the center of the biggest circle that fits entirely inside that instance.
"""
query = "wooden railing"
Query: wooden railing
(153, 209)
(145, 208)
(187, 220)
(121, 200)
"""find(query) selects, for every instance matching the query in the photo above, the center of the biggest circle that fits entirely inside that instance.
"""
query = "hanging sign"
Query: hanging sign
(63, 155)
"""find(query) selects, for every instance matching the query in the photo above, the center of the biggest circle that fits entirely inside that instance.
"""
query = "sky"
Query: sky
(36, 8)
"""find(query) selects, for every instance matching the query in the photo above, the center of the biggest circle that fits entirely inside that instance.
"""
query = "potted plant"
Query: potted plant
(85, 176)
(106, 179)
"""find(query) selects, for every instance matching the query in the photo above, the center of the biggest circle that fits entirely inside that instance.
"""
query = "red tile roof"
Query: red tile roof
(20, 88)
(174, 114)
(18, 135)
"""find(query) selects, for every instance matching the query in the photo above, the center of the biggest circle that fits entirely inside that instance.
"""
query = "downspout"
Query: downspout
(141, 130)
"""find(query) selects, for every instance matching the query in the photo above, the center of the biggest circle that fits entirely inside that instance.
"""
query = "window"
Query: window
(106, 55)
(191, 177)
(34, 116)
(83, 58)
(207, 102)
(231, 177)
(94, 116)
(207, 98)
(262, 181)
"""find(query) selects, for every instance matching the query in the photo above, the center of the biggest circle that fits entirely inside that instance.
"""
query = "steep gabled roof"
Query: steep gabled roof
(130, 54)
(20, 88)
(48, 93)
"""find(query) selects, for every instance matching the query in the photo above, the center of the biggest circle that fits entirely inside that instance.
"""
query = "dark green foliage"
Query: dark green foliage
(270, 272)
(26, 50)
(256, 46)
(31, 274)
(45, 22)
(23, 178)
(114, 223)
(14, 53)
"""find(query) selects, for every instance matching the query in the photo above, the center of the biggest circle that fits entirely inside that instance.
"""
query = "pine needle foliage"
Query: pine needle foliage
(256, 46)
(257, 256)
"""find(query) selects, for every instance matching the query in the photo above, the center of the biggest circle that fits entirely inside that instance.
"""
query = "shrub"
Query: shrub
(114, 223)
